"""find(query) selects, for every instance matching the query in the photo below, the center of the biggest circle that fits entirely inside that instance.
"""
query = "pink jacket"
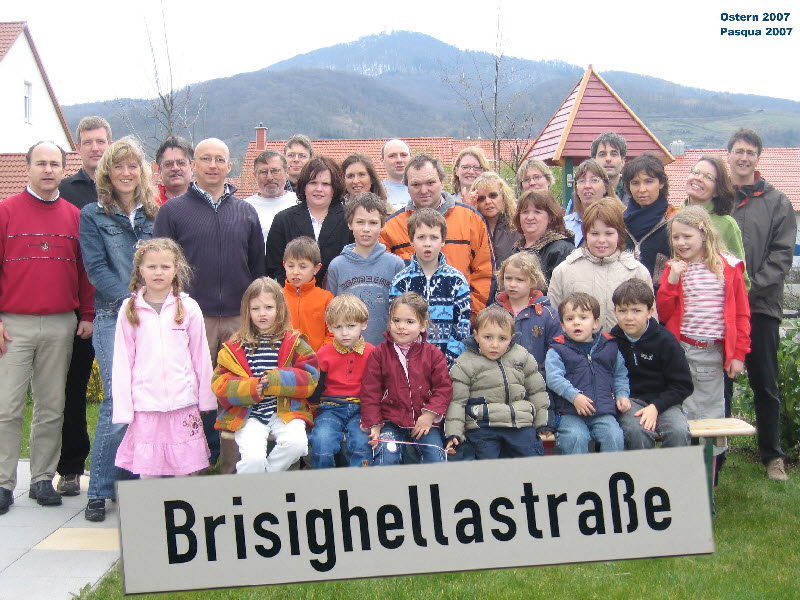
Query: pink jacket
(160, 365)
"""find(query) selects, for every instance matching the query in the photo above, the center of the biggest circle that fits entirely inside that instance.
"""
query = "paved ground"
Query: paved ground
(52, 552)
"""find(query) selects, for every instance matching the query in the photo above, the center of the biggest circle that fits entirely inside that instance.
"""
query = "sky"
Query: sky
(100, 50)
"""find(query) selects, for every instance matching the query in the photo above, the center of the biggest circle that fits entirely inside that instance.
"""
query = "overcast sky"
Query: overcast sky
(100, 50)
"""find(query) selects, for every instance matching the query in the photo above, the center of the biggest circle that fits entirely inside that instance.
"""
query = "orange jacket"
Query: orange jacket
(467, 247)
(307, 306)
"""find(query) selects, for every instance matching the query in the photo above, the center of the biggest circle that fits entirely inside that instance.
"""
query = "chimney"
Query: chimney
(261, 137)
(677, 148)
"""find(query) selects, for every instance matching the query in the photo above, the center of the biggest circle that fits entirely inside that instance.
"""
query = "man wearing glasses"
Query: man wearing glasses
(174, 160)
(221, 237)
(270, 169)
(298, 151)
(766, 218)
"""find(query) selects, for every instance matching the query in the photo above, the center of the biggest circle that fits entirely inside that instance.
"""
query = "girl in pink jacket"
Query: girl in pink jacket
(161, 375)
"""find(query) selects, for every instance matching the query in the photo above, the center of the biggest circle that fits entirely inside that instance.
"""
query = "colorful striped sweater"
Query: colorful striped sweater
(293, 383)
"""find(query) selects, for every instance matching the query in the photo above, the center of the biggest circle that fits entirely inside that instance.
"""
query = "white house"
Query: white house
(29, 111)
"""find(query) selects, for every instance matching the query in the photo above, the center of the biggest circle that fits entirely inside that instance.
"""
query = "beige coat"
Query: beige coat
(583, 272)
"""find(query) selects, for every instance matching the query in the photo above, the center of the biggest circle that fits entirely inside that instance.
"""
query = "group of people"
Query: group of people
(363, 322)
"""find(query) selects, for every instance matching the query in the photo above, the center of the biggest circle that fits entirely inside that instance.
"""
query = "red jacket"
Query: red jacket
(736, 311)
(387, 394)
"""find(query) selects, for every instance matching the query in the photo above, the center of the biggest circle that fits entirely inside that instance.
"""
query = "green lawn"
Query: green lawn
(757, 556)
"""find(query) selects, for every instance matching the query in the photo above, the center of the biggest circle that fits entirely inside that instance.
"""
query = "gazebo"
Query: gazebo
(591, 108)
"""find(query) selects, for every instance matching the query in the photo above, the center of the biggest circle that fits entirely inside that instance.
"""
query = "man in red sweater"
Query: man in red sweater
(42, 284)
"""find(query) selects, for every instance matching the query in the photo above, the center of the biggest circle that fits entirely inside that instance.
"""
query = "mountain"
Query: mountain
(408, 84)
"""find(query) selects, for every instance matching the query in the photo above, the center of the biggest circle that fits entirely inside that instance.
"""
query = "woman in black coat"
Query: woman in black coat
(319, 215)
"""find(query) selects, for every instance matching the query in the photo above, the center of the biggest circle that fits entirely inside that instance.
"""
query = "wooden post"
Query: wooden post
(566, 182)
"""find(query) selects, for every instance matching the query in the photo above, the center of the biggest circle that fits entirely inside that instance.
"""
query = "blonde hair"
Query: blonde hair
(475, 151)
(528, 263)
(491, 179)
(248, 334)
(346, 308)
(120, 150)
(698, 218)
(183, 274)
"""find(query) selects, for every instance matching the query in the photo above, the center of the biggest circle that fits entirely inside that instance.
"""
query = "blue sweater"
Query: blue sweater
(448, 296)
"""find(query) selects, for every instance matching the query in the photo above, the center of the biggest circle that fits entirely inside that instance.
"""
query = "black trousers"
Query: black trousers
(74, 434)
(762, 370)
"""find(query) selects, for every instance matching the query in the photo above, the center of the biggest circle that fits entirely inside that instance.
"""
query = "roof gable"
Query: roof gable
(9, 33)
(592, 108)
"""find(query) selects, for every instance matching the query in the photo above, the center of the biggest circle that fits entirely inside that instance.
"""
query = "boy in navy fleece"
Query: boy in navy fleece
(657, 368)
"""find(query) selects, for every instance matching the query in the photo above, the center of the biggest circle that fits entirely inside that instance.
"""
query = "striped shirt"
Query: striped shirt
(703, 303)
(264, 358)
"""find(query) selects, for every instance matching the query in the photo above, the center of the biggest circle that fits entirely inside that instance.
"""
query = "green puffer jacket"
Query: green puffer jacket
(508, 392)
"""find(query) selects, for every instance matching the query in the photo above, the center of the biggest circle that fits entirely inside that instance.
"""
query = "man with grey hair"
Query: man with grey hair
(395, 155)
(174, 161)
(467, 247)
(298, 151)
(221, 237)
(270, 169)
(42, 285)
(93, 135)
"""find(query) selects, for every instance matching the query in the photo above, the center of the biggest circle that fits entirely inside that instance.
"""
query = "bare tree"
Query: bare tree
(171, 111)
(493, 96)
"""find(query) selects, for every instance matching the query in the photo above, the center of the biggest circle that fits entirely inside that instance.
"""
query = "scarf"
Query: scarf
(640, 220)
(550, 235)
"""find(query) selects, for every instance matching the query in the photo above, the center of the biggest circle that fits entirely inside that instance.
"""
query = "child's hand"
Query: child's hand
(423, 424)
(260, 385)
(734, 368)
(623, 404)
(677, 268)
(450, 448)
(584, 405)
(648, 415)
(375, 436)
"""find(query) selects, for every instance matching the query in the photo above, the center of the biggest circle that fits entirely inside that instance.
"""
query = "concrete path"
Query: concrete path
(52, 552)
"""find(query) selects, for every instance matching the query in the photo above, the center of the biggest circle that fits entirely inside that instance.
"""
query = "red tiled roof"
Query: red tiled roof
(590, 109)
(779, 166)
(14, 172)
(445, 148)
(9, 32)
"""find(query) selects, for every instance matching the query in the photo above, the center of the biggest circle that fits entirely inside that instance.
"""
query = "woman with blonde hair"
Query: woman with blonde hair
(533, 174)
(111, 228)
(496, 203)
(470, 163)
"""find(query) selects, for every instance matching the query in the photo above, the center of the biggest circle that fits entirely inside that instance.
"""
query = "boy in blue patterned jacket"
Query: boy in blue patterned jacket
(444, 287)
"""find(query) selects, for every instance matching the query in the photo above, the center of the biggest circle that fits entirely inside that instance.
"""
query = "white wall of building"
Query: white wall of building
(18, 67)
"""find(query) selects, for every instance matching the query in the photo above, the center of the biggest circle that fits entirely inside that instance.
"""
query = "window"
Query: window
(28, 94)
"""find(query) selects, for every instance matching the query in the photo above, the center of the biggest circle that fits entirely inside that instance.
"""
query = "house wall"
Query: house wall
(17, 67)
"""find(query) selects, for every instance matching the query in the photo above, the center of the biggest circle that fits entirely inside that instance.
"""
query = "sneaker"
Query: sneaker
(44, 494)
(95, 510)
(6, 500)
(69, 485)
(776, 470)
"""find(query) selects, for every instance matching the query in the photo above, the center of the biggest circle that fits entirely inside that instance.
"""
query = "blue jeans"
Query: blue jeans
(107, 435)
(505, 442)
(388, 453)
(332, 421)
(574, 433)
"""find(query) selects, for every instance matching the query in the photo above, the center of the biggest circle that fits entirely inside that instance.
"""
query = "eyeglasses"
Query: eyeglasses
(218, 160)
(533, 179)
(706, 176)
(181, 163)
(592, 181)
(300, 155)
(743, 152)
(274, 172)
(476, 168)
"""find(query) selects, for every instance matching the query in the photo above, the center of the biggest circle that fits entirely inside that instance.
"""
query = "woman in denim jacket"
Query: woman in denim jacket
(109, 231)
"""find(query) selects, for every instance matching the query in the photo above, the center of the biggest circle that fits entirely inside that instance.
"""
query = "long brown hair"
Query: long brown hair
(183, 274)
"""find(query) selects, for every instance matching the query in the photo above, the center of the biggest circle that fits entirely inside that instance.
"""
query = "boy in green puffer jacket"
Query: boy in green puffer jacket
(499, 397)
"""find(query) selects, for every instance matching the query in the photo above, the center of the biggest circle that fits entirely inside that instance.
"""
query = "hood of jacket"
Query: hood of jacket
(349, 253)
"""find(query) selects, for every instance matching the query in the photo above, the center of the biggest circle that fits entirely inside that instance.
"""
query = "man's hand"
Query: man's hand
(85, 329)
(4, 337)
